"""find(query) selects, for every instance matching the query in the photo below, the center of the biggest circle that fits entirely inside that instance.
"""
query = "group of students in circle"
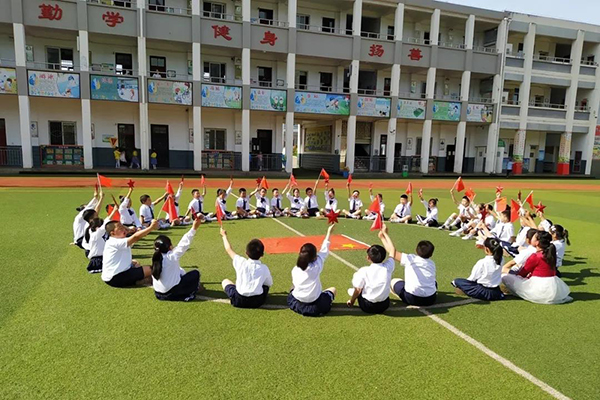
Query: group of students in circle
(532, 273)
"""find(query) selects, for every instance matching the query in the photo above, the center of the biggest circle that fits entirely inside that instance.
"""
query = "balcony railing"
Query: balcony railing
(315, 88)
(373, 35)
(558, 60)
(483, 49)
(4, 62)
(418, 40)
(589, 62)
(517, 54)
(482, 100)
(448, 97)
(218, 159)
(65, 67)
(221, 81)
(451, 45)
(266, 162)
(583, 108)
(544, 104)
(369, 163)
(216, 15)
(110, 69)
(409, 95)
(270, 22)
(323, 29)
(409, 163)
(511, 102)
(170, 75)
(11, 156)
(166, 9)
(115, 3)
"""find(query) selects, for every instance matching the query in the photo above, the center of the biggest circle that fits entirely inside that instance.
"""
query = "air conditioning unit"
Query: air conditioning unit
(509, 48)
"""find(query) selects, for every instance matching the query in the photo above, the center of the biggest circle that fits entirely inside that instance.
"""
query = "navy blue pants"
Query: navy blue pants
(319, 307)
(411, 299)
(478, 291)
(239, 301)
(95, 265)
(371, 307)
(185, 290)
(510, 248)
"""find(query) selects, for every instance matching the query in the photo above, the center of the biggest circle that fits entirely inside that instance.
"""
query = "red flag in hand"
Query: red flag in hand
(378, 223)
(470, 194)
(501, 204)
(370, 185)
(459, 185)
(169, 188)
(324, 174)
(170, 209)
(529, 200)
(131, 184)
(116, 216)
(349, 179)
(332, 217)
(202, 180)
(97, 186)
(182, 178)
(375, 207)
(540, 208)
(409, 189)
(499, 189)
(104, 181)
(220, 214)
(293, 181)
(514, 211)
(263, 183)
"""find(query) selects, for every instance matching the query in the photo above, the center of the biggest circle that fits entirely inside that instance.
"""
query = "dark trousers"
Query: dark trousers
(185, 290)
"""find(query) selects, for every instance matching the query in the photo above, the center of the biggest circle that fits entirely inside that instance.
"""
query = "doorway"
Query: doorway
(479, 158)
(159, 137)
(3, 142)
(264, 141)
(450, 155)
(126, 134)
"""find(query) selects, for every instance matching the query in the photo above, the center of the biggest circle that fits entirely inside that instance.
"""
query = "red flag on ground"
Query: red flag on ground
(349, 179)
(104, 181)
(293, 180)
(375, 207)
(501, 204)
(470, 194)
(170, 209)
(409, 188)
(263, 183)
(324, 174)
(219, 213)
(529, 200)
(459, 185)
(169, 188)
(116, 216)
(514, 211)
(378, 223)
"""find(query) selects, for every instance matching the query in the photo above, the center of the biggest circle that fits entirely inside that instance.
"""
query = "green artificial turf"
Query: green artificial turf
(66, 334)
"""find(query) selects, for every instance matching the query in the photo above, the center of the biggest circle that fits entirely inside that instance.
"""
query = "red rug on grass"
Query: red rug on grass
(292, 244)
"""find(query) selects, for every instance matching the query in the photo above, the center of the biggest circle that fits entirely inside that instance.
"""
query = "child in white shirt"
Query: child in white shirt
(306, 297)
(297, 205)
(560, 240)
(525, 251)
(431, 217)
(331, 203)
(371, 285)
(277, 209)
(253, 278)
(464, 215)
(147, 211)
(311, 203)
(263, 206)
(169, 280)
(503, 231)
(128, 216)
(95, 235)
(242, 206)
(86, 212)
(355, 204)
(402, 212)
(222, 196)
(196, 206)
(118, 268)
(370, 215)
(419, 287)
(486, 275)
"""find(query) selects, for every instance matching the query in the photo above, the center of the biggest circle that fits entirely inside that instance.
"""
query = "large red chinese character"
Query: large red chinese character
(112, 18)
(269, 38)
(415, 54)
(376, 50)
(50, 12)
(222, 30)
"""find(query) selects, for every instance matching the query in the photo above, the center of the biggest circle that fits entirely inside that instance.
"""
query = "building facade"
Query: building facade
(369, 86)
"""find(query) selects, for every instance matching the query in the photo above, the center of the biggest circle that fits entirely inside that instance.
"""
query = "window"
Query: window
(158, 67)
(303, 21)
(349, 22)
(265, 16)
(387, 86)
(328, 25)
(123, 64)
(426, 37)
(301, 80)
(390, 32)
(215, 139)
(383, 145)
(63, 133)
(124, 3)
(326, 81)
(156, 5)
(265, 76)
(213, 10)
(214, 72)
(61, 59)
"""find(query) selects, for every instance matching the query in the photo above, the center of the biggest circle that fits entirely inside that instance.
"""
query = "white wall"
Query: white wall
(176, 60)
(7, 47)
(314, 76)
(44, 110)
(323, 10)
(40, 45)
(105, 53)
(230, 120)
(9, 111)
(106, 115)
(176, 117)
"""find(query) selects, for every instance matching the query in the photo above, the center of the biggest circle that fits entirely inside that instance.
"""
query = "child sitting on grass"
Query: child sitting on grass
(253, 278)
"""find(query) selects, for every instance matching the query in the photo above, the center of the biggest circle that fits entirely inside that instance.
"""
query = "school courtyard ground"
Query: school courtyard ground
(66, 334)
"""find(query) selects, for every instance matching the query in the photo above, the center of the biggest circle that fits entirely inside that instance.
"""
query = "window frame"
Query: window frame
(62, 133)
(212, 132)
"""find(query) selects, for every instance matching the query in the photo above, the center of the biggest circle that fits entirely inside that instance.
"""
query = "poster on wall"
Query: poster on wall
(114, 88)
(322, 103)
(62, 155)
(221, 96)
(169, 92)
(268, 99)
(596, 153)
(53, 84)
(374, 106)
(411, 109)
(479, 113)
(8, 81)
(317, 139)
(446, 111)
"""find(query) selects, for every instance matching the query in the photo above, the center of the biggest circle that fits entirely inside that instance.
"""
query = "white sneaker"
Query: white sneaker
(468, 237)
(350, 292)
(441, 228)
(455, 234)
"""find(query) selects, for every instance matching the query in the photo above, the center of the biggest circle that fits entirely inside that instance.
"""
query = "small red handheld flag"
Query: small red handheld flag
(378, 223)
(501, 204)
(293, 181)
(459, 185)
(263, 183)
(499, 189)
(409, 189)
(169, 188)
(370, 185)
(349, 179)
(131, 184)
(116, 216)
(470, 194)
(540, 207)
(219, 213)
(514, 211)
(202, 180)
(529, 200)
(104, 181)
(332, 217)
(324, 174)
(375, 207)
(170, 209)
(182, 177)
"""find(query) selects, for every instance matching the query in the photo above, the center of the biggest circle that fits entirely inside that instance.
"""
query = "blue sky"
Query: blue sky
(574, 10)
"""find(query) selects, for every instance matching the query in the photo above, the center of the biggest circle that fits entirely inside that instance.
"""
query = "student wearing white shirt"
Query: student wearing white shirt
(195, 207)
(306, 297)
(169, 280)
(402, 212)
(297, 205)
(503, 231)
(355, 204)
(486, 275)
(372, 284)
(128, 216)
(370, 215)
(525, 251)
(253, 278)
(242, 205)
(118, 267)
(263, 207)
(222, 196)
(431, 217)
(87, 212)
(311, 203)
(560, 240)
(147, 211)
(181, 219)
(331, 203)
(95, 235)
(470, 229)
(464, 213)
(277, 209)
(419, 287)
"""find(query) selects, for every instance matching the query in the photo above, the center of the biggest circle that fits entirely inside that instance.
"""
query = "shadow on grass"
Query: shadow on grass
(578, 278)
(584, 296)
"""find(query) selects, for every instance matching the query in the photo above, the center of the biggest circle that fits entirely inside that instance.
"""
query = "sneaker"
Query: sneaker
(468, 237)
(441, 228)
(350, 292)
(455, 234)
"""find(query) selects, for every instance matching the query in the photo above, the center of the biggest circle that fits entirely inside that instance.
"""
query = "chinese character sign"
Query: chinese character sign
(53, 84)
(221, 31)
(268, 99)
(415, 54)
(374, 106)
(221, 96)
(269, 38)
(8, 81)
(114, 88)
(169, 92)
(51, 12)
(321, 103)
(112, 18)
(376, 50)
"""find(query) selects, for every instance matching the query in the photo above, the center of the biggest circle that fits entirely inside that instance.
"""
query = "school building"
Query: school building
(359, 85)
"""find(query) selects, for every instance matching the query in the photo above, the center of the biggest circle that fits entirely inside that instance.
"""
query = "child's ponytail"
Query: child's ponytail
(162, 245)
(495, 248)
(92, 226)
(548, 249)
(561, 233)
(308, 254)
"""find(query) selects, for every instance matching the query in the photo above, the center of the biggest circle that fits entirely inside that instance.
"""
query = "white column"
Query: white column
(246, 86)
(426, 137)
(356, 17)
(470, 32)
(594, 105)
(434, 31)
(290, 79)
(399, 22)
(143, 91)
(197, 109)
(337, 136)
(24, 112)
(392, 123)
(86, 107)
(351, 134)
(461, 129)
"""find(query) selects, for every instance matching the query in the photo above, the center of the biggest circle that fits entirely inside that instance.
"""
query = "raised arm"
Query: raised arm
(349, 190)
(452, 195)
(99, 204)
(254, 191)
(141, 234)
(161, 198)
(411, 199)
(114, 211)
(387, 241)
(227, 245)
(204, 190)
(186, 240)
(316, 184)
